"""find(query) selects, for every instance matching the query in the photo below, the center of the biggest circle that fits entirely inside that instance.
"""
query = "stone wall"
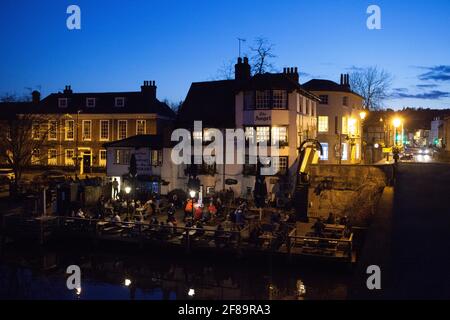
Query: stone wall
(346, 190)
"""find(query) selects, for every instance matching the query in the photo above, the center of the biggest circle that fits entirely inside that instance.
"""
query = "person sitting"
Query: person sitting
(188, 209)
(198, 212)
(331, 219)
(318, 227)
(212, 210)
(117, 218)
(80, 214)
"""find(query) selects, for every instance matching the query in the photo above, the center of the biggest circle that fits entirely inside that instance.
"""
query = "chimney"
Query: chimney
(36, 97)
(342, 79)
(242, 70)
(149, 89)
(292, 73)
(68, 90)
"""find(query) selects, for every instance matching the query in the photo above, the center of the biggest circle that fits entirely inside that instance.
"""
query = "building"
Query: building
(149, 152)
(275, 105)
(78, 125)
(437, 132)
(340, 115)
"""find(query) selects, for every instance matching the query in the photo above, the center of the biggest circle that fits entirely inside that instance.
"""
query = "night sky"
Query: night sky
(122, 43)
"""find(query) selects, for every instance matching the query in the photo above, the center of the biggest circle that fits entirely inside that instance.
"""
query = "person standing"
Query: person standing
(115, 186)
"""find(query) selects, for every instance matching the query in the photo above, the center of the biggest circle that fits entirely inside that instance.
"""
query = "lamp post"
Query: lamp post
(127, 191)
(397, 122)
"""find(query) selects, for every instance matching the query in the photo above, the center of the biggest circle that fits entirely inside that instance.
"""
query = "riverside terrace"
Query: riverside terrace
(268, 233)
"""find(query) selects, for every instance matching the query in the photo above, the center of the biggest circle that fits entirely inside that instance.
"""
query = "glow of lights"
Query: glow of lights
(192, 193)
(127, 282)
(127, 190)
(376, 145)
(78, 291)
(191, 292)
(397, 122)
(362, 115)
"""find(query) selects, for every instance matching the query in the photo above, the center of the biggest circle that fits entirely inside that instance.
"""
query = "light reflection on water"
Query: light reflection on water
(41, 275)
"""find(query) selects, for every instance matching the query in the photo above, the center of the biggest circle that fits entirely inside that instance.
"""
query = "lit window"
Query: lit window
(119, 102)
(102, 162)
(344, 125)
(263, 99)
(323, 124)
(140, 127)
(104, 130)
(122, 129)
(122, 156)
(279, 99)
(345, 101)
(36, 131)
(323, 99)
(35, 157)
(90, 102)
(156, 158)
(62, 102)
(280, 164)
(352, 126)
(344, 151)
(357, 151)
(249, 133)
(69, 130)
(197, 135)
(52, 130)
(52, 157)
(69, 157)
(324, 155)
(280, 134)
(87, 130)
(262, 134)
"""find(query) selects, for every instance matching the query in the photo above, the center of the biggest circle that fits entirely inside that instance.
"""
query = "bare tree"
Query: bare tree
(175, 106)
(21, 139)
(262, 51)
(226, 71)
(373, 84)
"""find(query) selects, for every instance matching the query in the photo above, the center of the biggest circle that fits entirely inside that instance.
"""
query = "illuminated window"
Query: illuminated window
(344, 151)
(197, 135)
(249, 133)
(140, 127)
(263, 99)
(52, 157)
(323, 124)
(352, 126)
(280, 134)
(156, 158)
(280, 164)
(69, 129)
(104, 130)
(87, 130)
(357, 151)
(36, 157)
(36, 131)
(52, 130)
(344, 125)
(68, 159)
(121, 129)
(122, 156)
(102, 162)
(279, 99)
(262, 134)
(324, 155)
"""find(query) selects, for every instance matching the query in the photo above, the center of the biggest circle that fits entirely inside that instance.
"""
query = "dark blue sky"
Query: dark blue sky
(122, 43)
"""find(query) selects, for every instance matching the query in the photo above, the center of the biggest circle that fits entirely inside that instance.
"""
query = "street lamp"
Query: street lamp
(127, 282)
(127, 190)
(192, 194)
(397, 122)
(363, 115)
(191, 292)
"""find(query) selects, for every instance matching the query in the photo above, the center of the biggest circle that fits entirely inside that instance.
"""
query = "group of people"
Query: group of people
(199, 212)
(320, 224)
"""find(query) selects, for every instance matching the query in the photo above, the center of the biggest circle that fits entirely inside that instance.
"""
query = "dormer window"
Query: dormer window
(90, 102)
(62, 102)
(120, 102)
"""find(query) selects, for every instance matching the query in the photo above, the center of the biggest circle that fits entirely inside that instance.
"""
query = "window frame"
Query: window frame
(116, 99)
(137, 126)
(50, 138)
(83, 127)
(63, 105)
(320, 128)
(66, 127)
(71, 162)
(90, 99)
(324, 99)
(55, 158)
(118, 129)
(100, 131)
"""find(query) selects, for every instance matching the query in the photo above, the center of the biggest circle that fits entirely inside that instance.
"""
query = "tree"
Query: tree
(226, 71)
(175, 106)
(21, 138)
(262, 51)
(373, 84)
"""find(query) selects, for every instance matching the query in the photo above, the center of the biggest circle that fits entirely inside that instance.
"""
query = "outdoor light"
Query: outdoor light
(192, 193)
(376, 145)
(78, 291)
(191, 292)
(362, 115)
(127, 282)
(397, 122)
(127, 190)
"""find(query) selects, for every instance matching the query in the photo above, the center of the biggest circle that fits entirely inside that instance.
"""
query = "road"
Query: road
(410, 237)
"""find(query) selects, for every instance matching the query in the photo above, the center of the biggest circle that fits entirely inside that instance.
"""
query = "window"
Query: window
(357, 151)
(90, 102)
(62, 102)
(140, 127)
(122, 156)
(119, 102)
(35, 131)
(324, 155)
(52, 130)
(262, 134)
(156, 158)
(87, 130)
(279, 99)
(249, 133)
(323, 124)
(52, 157)
(344, 125)
(102, 158)
(69, 157)
(308, 111)
(352, 126)
(345, 101)
(35, 157)
(280, 164)
(122, 129)
(69, 130)
(104, 130)
(344, 151)
(323, 99)
(263, 99)
(280, 134)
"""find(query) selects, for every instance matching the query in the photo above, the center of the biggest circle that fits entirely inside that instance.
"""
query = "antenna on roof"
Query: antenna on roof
(240, 40)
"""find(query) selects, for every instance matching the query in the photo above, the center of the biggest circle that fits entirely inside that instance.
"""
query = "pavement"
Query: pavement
(410, 237)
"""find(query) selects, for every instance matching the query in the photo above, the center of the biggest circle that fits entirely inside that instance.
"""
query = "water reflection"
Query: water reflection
(28, 274)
